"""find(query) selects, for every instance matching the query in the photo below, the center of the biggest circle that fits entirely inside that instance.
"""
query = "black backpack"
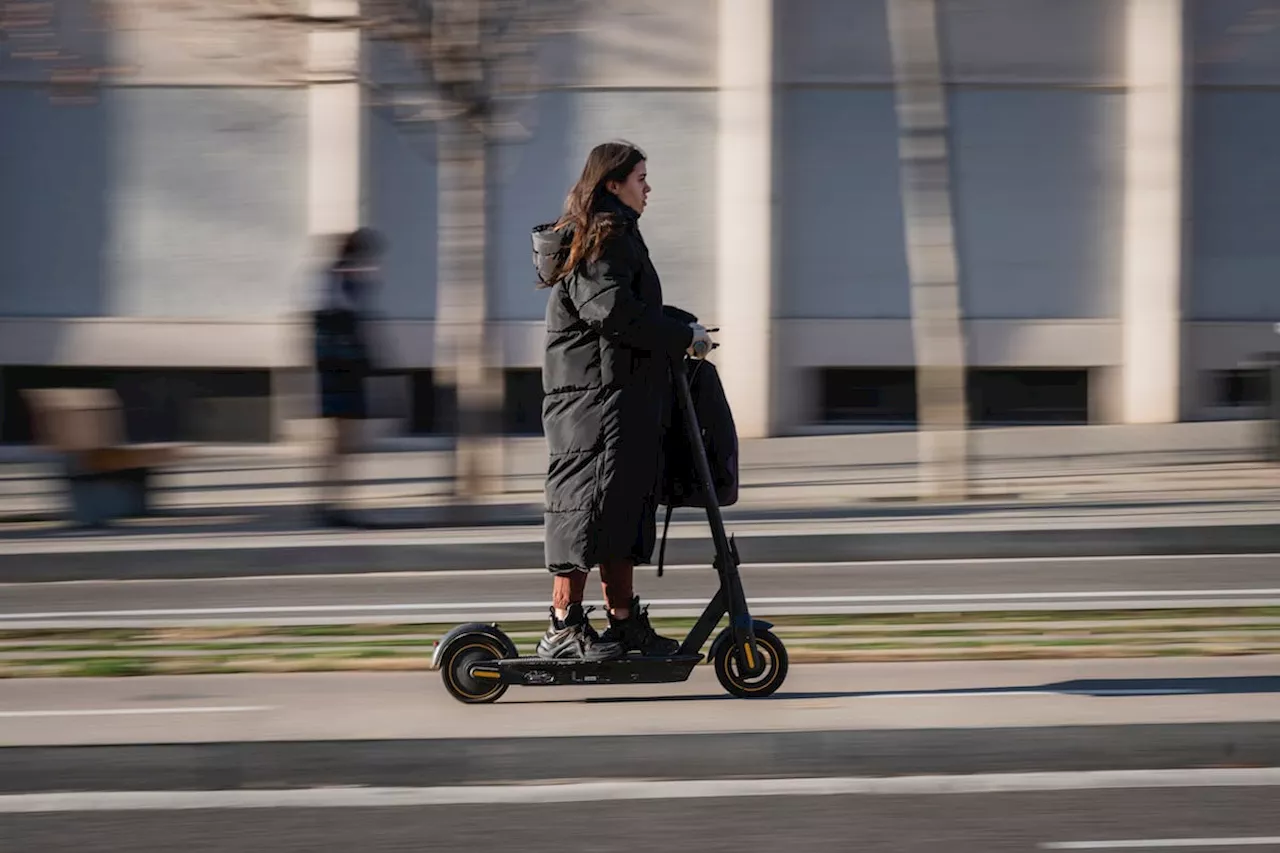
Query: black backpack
(679, 485)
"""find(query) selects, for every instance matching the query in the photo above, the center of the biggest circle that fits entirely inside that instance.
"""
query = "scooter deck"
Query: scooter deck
(538, 672)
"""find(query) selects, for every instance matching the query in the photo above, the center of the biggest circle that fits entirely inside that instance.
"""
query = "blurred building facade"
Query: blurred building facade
(1116, 192)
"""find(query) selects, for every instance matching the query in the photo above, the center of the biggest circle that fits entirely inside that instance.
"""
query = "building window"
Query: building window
(522, 401)
(431, 408)
(1237, 389)
(434, 408)
(887, 396)
(850, 395)
(158, 404)
(1009, 397)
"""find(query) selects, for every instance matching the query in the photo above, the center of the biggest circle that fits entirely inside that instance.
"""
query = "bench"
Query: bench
(107, 478)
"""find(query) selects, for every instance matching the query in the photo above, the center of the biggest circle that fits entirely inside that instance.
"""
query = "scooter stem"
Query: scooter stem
(726, 554)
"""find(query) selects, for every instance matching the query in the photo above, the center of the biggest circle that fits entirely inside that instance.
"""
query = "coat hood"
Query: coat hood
(550, 248)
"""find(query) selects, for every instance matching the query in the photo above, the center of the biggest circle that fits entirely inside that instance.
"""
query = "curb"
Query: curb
(252, 765)
(186, 562)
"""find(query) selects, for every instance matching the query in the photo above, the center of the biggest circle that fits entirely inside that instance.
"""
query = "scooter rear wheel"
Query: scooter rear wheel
(456, 668)
(730, 669)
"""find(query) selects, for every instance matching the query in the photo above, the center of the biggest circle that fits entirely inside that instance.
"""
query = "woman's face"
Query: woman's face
(634, 191)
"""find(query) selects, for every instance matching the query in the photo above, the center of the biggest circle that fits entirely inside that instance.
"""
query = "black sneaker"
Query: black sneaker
(636, 634)
(574, 638)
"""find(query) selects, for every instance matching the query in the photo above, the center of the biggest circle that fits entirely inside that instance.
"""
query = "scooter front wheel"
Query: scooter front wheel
(456, 669)
(730, 669)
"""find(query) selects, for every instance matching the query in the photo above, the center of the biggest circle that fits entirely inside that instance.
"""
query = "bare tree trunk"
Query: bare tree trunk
(931, 256)
(463, 337)
(465, 348)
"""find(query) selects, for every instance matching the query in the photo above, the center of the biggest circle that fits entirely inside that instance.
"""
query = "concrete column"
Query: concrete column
(463, 357)
(1153, 241)
(1105, 403)
(744, 213)
(334, 123)
(932, 265)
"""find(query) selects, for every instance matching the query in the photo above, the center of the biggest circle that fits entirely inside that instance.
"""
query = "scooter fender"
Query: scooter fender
(471, 629)
(725, 637)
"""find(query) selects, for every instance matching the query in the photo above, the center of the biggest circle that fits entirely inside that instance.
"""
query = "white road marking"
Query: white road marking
(1163, 843)
(595, 791)
(758, 603)
(122, 712)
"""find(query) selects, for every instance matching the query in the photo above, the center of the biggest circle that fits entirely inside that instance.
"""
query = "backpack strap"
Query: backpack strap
(662, 549)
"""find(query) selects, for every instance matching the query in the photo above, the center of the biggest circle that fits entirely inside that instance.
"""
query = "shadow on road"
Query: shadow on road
(1095, 687)
(1225, 685)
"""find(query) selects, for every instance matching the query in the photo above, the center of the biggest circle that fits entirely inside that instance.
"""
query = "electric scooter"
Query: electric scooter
(479, 662)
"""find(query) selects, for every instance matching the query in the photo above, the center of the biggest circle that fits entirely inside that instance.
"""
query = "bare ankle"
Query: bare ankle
(561, 614)
(620, 613)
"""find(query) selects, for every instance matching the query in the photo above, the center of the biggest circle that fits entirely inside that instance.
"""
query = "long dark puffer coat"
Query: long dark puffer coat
(608, 398)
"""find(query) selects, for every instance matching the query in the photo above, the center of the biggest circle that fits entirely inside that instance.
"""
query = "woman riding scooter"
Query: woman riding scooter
(608, 392)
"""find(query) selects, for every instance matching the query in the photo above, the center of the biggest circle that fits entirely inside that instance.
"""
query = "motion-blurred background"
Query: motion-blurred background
(1094, 201)
(997, 283)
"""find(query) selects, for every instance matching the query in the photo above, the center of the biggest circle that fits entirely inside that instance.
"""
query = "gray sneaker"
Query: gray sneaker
(575, 639)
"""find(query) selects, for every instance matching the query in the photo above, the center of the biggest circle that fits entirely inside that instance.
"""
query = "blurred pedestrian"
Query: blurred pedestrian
(608, 399)
(343, 362)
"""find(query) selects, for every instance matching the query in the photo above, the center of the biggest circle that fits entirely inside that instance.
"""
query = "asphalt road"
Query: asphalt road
(1102, 531)
(448, 596)
(414, 706)
(1208, 818)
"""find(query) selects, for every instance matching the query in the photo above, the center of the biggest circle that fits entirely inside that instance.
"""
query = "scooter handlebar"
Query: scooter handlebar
(701, 350)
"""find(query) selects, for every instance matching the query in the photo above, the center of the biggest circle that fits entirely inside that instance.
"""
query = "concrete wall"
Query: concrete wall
(1235, 167)
(840, 206)
(676, 129)
(56, 206)
(1038, 166)
(1232, 297)
(194, 234)
(1235, 217)
(641, 71)
(149, 202)
(166, 220)
(400, 199)
(1034, 42)
(1234, 42)
(174, 192)
(1038, 182)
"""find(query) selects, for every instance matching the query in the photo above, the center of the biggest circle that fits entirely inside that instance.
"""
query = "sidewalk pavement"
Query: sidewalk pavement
(1037, 492)
(814, 697)
(1042, 464)
(248, 545)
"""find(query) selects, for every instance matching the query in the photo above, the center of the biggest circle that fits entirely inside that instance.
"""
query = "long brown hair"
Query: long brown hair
(584, 208)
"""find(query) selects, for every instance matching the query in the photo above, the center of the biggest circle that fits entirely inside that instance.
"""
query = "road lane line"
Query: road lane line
(596, 791)
(1163, 843)
(122, 712)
